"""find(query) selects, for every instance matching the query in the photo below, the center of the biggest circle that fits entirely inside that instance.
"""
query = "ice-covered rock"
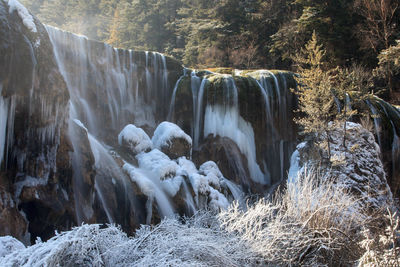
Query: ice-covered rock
(135, 139)
(23, 13)
(212, 172)
(356, 166)
(158, 163)
(172, 140)
(157, 175)
(9, 245)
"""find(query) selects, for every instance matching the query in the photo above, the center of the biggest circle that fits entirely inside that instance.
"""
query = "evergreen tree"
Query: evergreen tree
(316, 102)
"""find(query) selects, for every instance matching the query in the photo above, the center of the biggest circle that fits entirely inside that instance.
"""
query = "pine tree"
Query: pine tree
(315, 87)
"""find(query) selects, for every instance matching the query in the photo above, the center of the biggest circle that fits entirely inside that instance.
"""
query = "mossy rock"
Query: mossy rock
(222, 70)
(183, 108)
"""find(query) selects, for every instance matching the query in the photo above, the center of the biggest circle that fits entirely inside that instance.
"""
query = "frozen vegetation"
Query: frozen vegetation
(311, 223)
(357, 166)
(8, 245)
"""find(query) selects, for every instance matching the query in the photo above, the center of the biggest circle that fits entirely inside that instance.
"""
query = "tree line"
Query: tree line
(239, 33)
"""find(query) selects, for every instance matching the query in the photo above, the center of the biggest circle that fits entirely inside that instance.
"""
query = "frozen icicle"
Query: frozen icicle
(3, 125)
(228, 123)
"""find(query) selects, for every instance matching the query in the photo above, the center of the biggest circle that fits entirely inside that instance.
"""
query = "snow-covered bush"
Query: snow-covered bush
(311, 223)
(382, 248)
(198, 241)
(8, 245)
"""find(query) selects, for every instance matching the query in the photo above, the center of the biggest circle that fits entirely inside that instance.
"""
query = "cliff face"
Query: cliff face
(34, 114)
(355, 166)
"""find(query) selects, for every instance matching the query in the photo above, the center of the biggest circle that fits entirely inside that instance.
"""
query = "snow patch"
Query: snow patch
(166, 132)
(9, 245)
(158, 163)
(23, 13)
(145, 184)
(137, 139)
(187, 167)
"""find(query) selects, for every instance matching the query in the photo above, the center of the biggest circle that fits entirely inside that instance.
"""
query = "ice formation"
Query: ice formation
(228, 123)
(23, 13)
(137, 140)
(167, 131)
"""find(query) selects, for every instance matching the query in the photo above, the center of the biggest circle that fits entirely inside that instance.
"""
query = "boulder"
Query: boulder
(357, 166)
(12, 222)
(134, 139)
(171, 140)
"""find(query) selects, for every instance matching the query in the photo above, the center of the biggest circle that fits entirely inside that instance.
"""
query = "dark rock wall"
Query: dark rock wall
(36, 146)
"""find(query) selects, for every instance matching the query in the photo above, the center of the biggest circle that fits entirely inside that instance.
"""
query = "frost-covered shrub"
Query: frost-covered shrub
(311, 223)
(8, 245)
(198, 241)
(382, 248)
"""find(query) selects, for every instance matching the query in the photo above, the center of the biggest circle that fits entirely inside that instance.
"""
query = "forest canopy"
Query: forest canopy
(236, 33)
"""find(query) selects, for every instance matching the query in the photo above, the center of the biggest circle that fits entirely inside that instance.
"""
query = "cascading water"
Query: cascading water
(107, 81)
(106, 84)
(225, 121)
(99, 82)
(278, 119)
(172, 105)
(198, 93)
(223, 117)
(3, 124)
(377, 121)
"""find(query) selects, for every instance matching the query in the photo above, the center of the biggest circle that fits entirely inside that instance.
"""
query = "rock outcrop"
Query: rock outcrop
(172, 141)
(357, 166)
(34, 110)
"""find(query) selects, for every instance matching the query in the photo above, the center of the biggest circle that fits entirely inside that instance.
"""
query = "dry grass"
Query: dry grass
(310, 223)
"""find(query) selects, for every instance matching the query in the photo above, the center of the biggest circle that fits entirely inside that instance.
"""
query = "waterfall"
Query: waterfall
(173, 98)
(3, 124)
(110, 88)
(103, 85)
(377, 121)
(103, 82)
(276, 97)
(197, 92)
(225, 121)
